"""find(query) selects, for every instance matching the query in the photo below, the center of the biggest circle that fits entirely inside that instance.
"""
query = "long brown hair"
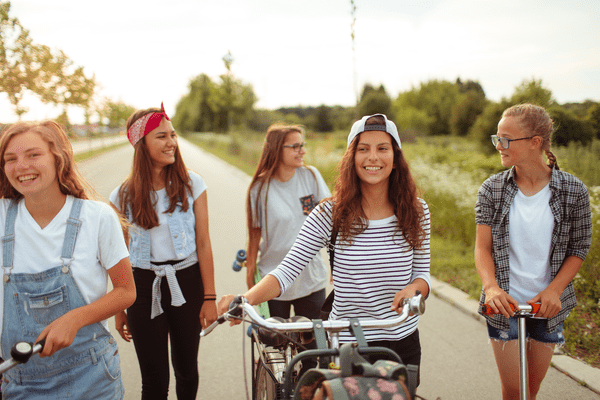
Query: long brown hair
(348, 216)
(70, 180)
(535, 121)
(135, 195)
(270, 159)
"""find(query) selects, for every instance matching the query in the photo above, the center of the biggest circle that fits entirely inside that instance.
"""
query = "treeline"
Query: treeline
(434, 108)
(27, 67)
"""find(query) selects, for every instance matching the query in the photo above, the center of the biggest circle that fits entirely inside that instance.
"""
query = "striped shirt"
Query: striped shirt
(571, 236)
(366, 274)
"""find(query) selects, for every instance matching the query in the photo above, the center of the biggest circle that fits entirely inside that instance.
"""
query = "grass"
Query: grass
(449, 171)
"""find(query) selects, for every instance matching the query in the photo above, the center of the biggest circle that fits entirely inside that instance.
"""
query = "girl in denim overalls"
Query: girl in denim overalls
(58, 250)
(167, 207)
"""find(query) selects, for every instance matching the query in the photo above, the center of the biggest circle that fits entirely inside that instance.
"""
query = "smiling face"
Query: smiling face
(374, 157)
(161, 143)
(30, 166)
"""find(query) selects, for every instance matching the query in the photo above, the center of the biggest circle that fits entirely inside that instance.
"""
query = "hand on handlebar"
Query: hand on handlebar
(550, 303)
(500, 302)
(225, 304)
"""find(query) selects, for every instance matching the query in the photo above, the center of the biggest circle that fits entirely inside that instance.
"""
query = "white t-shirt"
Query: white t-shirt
(161, 243)
(99, 247)
(288, 205)
(530, 235)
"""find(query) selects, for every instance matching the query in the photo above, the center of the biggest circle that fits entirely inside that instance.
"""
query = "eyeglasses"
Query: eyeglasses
(295, 146)
(505, 142)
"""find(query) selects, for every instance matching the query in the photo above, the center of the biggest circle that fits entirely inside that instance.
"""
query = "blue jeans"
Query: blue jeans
(536, 330)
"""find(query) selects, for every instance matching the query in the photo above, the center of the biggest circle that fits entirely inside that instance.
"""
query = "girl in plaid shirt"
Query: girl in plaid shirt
(533, 232)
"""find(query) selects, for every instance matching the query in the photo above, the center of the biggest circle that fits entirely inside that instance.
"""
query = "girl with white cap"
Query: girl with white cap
(382, 242)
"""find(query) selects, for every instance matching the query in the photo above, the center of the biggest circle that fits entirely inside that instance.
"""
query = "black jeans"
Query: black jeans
(307, 306)
(180, 324)
(408, 348)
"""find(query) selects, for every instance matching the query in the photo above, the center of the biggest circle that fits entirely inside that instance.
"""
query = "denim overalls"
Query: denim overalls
(90, 367)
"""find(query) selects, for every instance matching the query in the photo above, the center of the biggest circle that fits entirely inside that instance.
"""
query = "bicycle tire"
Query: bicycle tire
(266, 387)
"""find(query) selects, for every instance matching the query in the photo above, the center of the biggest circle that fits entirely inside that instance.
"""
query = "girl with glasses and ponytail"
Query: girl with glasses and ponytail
(533, 233)
(282, 193)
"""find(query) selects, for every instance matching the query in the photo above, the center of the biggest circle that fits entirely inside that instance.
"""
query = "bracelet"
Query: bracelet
(210, 297)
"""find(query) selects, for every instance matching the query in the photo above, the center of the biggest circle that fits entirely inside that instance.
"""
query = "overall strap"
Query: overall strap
(8, 240)
(73, 227)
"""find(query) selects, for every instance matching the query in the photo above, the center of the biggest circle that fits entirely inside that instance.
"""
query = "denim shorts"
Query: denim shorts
(536, 330)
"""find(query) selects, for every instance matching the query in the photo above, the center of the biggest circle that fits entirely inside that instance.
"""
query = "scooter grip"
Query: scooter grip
(486, 309)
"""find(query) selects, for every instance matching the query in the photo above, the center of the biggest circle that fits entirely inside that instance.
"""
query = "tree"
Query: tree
(117, 113)
(569, 128)
(374, 101)
(432, 103)
(593, 116)
(17, 70)
(470, 86)
(210, 106)
(50, 74)
(323, 120)
(465, 112)
(532, 91)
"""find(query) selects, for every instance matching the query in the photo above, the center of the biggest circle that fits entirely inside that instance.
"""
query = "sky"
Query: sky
(301, 52)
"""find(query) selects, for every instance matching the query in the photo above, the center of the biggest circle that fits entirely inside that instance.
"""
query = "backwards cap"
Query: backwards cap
(145, 125)
(360, 127)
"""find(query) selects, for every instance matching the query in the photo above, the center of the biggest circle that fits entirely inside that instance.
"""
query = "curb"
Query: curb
(583, 373)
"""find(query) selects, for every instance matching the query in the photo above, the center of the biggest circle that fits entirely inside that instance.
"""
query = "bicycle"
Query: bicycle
(276, 370)
(524, 311)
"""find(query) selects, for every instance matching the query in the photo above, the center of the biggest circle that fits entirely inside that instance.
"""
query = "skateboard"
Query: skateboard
(238, 264)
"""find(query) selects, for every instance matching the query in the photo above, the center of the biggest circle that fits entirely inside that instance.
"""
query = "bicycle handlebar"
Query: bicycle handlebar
(524, 309)
(20, 353)
(239, 306)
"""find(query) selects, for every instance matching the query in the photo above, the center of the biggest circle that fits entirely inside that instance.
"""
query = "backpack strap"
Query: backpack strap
(413, 375)
(331, 247)
(338, 389)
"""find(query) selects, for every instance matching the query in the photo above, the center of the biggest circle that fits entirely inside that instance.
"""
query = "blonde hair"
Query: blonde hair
(535, 121)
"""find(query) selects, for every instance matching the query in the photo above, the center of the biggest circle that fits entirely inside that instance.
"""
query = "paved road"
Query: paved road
(457, 359)
(87, 145)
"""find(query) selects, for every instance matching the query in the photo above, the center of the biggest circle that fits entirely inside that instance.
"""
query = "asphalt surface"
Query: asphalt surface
(457, 359)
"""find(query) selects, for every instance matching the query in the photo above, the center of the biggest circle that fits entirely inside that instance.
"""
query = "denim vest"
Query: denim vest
(90, 366)
(182, 226)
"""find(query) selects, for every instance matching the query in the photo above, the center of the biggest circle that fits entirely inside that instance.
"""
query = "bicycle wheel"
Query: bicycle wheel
(266, 387)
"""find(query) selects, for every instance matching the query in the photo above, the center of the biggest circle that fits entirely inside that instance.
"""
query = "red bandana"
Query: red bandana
(145, 125)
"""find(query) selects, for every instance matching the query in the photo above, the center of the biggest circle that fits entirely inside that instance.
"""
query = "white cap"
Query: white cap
(359, 127)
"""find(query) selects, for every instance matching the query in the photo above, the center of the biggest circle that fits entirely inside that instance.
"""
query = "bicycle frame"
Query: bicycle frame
(274, 361)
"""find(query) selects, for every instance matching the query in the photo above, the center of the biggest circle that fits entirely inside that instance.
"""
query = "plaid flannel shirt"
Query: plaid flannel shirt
(572, 234)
